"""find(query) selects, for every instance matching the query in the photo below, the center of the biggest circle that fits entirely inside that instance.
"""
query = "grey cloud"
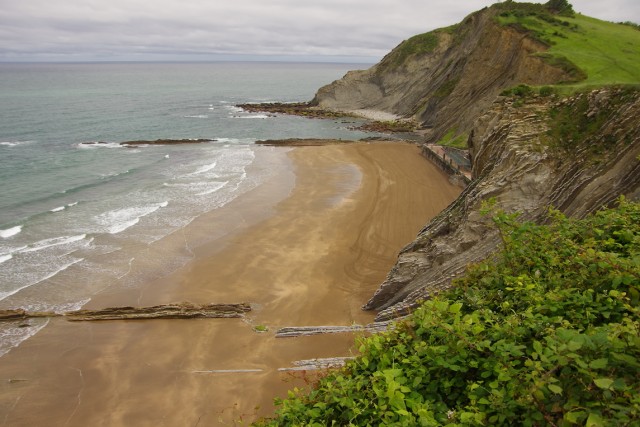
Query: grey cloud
(90, 29)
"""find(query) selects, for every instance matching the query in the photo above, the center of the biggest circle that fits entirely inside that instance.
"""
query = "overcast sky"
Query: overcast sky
(330, 30)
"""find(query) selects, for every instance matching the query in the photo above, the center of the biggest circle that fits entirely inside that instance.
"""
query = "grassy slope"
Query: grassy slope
(608, 53)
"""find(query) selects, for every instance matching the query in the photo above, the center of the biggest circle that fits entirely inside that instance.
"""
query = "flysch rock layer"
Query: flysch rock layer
(449, 87)
(516, 164)
(183, 310)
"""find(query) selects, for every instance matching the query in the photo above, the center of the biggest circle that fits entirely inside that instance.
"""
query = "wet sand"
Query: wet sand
(314, 260)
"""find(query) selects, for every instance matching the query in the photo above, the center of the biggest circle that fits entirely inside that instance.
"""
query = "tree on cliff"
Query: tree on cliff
(561, 7)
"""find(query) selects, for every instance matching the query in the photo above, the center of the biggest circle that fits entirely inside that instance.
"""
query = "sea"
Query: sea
(78, 210)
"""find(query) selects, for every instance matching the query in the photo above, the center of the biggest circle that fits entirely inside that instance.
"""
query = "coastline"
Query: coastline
(313, 259)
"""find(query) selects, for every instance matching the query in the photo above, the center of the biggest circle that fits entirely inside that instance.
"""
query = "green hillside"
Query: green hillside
(606, 52)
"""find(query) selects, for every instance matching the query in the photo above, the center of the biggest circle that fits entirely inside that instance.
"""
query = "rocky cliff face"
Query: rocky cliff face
(576, 155)
(446, 78)
(528, 154)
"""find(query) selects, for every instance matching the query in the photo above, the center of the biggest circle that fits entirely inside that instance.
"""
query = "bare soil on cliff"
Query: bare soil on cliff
(313, 261)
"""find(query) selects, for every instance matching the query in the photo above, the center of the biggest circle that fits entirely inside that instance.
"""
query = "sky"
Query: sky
(210, 30)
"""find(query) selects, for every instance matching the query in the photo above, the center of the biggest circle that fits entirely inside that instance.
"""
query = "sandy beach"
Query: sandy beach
(312, 259)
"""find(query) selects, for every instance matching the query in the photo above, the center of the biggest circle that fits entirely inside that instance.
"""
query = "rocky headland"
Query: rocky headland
(445, 79)
(544, 145)
(518, 166)
(551, 141)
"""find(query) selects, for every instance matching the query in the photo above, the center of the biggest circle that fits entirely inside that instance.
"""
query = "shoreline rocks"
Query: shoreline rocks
(303, 109)
(517, 164)
(138, 143)
(184, 310)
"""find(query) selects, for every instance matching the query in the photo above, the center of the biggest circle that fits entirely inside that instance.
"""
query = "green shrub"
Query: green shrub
(546, 91)
(575, 123)
(417, 45)
(574, 72)
(631, 24)
(520, 91)
(454, 139)
(446, 88)
(561, 7)
(546, 332)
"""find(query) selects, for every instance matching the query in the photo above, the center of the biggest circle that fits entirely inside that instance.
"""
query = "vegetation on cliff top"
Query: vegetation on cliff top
(576, 121)
(592, 51)
(547, 332)
(416, 45)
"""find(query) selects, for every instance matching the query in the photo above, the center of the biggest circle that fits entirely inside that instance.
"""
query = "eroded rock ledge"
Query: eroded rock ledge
(316, 142)
(303, 142)
(300, 331)
(390, 124)
(137, 143)
(521, 162)
(183, 310)
(304, 109)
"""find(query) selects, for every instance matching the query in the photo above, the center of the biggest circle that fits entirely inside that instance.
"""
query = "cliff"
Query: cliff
(529, 152)
(444, 79)
(575, 154)
(488, 352)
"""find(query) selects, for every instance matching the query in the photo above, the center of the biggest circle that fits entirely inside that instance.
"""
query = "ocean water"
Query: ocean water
(75, 217)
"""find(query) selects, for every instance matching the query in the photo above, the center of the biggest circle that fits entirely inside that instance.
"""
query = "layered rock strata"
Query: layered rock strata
(454, 76)
(184, 310)
(520, 162)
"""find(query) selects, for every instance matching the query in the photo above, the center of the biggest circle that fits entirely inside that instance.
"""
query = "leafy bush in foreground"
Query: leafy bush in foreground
(546, 332)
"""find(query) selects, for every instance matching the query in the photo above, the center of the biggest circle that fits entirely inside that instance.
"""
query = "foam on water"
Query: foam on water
(252, 116)
(192, 188)
(118, 220)
(14, 143)
(5, 294)
(205, 168)
(234, 109)
(10, 232)
(9, 250)
(49, 243)
(99, 144)
(215, 187)
(11, 335)
(56, 308)
(114, 174)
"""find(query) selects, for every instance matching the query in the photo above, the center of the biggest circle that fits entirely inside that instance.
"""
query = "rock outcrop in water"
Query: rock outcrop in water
(184, 310)
(525, 159)
(138, 143)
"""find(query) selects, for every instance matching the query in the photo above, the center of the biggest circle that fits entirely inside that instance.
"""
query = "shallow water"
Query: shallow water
(76, 218)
